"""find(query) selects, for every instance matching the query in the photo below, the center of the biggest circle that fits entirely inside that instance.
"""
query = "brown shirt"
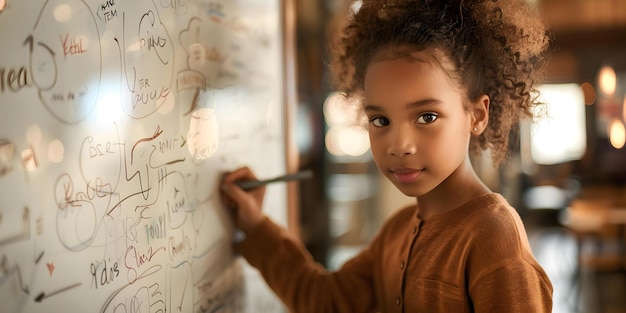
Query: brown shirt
(475, 258)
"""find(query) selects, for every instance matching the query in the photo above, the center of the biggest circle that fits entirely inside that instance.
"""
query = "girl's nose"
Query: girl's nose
(401, 143)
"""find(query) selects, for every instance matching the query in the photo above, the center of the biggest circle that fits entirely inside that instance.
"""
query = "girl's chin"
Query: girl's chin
(410, 191)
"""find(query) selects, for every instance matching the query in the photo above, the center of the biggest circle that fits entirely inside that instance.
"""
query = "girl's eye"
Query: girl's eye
(426, 118)
(379, 121)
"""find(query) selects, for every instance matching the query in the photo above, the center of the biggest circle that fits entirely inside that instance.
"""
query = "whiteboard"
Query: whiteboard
(117, 120)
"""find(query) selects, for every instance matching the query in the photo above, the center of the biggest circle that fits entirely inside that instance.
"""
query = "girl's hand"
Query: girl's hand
(245, 205)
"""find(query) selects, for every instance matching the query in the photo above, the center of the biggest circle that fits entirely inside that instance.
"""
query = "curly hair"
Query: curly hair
(497, 48)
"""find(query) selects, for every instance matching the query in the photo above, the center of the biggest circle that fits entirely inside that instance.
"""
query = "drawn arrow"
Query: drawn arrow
(43, 295)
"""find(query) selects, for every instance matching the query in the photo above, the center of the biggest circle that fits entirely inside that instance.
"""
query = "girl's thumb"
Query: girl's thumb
(233, 191)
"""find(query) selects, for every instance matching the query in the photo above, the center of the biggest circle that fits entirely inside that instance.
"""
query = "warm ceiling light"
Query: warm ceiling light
(332, 141)
(561, 135)
(56, 151)
(617, 133)
(340, 109)
(607, 80)
(354, 141)
(29, 160)
(62, 13)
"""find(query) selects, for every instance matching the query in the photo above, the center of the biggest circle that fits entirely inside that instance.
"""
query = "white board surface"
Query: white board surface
(117, 120)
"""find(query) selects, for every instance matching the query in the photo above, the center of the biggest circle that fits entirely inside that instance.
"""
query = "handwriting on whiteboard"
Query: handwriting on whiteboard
(118, 118)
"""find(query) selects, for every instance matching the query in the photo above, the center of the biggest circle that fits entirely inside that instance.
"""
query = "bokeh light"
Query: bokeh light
(589, 92)
(62, 13)
(354, 140)
(617, 133)
(332, 142)
(346, 134)
(341, 110)
(56, 151)
(29, 160)
(607, 80)
(560, 136)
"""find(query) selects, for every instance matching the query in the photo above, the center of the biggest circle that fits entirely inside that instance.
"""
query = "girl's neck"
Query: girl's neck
(460, 187)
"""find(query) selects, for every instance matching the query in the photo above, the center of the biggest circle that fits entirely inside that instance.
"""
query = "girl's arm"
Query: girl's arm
(517, 287)
(287, 267)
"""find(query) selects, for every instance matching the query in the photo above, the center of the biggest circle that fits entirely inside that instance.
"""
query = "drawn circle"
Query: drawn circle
(76, 226)
(76, 218)
(43, 66)
(66, 67)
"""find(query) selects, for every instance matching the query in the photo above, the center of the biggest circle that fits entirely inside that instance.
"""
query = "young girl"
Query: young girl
(438, 80)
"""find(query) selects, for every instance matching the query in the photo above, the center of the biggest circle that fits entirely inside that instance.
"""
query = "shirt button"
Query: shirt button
(402, 265)
(398, 300)
(414, 230)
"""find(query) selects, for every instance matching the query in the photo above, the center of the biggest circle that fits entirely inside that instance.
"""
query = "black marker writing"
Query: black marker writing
(13, 79)
(44, 295)
(104, 273)
(106, 11)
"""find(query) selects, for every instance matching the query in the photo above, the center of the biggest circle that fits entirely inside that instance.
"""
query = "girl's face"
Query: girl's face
(418, 127)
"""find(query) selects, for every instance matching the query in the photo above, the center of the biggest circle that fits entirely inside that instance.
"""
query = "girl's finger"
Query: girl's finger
(243, 173)
(235, 193)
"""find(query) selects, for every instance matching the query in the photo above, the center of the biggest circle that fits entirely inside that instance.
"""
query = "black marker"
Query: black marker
(249, 185)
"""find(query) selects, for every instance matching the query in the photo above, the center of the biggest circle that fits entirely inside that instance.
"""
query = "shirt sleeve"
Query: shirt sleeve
(301, 283)
(504, 276)
(516, 287)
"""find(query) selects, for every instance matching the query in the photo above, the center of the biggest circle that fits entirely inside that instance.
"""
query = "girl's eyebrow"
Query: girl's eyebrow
(423, 102)
(373, 107)
(419, 103)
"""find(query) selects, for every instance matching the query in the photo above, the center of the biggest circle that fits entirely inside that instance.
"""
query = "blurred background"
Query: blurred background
(566, 174)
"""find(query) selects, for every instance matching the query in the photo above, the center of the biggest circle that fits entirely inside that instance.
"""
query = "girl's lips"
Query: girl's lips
(406, 175)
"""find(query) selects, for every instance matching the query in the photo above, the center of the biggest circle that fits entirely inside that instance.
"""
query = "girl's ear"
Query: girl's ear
(480, 115)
